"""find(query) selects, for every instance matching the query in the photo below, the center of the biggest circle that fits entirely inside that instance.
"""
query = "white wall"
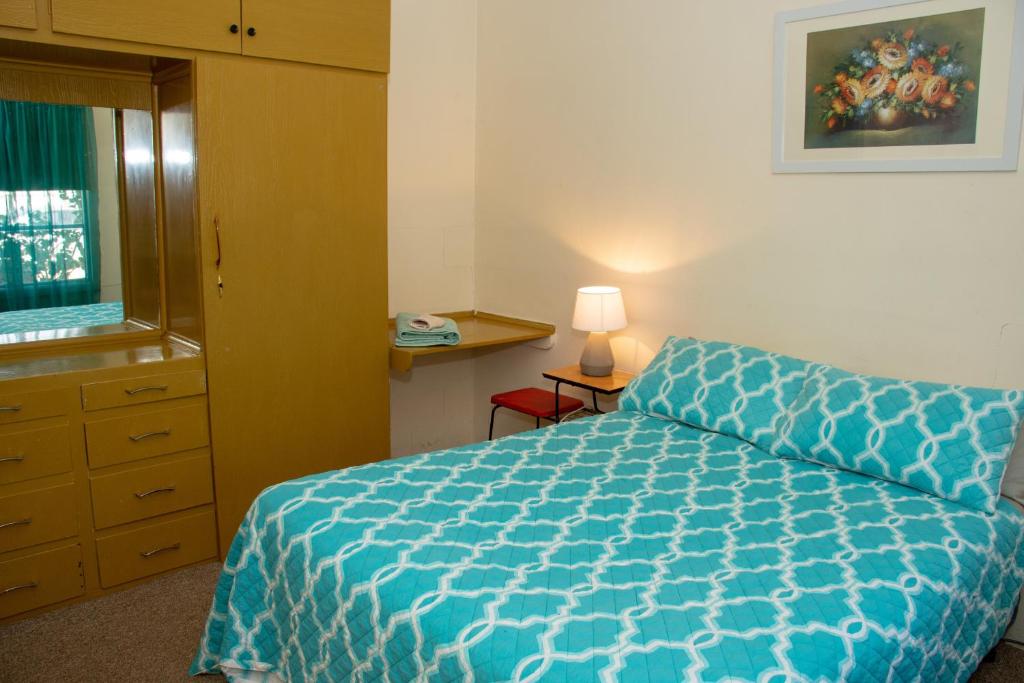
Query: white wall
(431, 186)
(631, 146)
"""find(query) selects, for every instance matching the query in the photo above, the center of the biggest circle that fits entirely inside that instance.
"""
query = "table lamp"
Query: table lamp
(599, 310)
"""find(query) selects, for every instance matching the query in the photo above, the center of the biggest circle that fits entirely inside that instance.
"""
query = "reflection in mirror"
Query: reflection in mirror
(76, 188)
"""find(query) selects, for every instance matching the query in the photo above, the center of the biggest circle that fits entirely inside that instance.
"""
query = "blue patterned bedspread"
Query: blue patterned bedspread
(621, 547)
(61, 317)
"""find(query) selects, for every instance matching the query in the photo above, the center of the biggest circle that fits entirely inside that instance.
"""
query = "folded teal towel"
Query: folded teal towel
(406, 335)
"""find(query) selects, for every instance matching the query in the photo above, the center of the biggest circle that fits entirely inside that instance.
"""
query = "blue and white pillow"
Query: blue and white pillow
(948, 440)
(727, 388)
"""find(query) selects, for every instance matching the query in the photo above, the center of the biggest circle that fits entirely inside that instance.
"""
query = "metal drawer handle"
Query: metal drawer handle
(139, 390)
(163, 549)
(10, 409)
(143, 494)
(149, 435)
(13, 458)
(20, 587)
(17, 522)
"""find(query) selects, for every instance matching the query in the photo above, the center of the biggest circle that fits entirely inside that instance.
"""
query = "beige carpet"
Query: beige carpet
(149, 635)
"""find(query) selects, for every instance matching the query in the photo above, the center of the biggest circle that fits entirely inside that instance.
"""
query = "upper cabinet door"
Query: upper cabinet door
(349, 33)
(199, 24)
(18, 13)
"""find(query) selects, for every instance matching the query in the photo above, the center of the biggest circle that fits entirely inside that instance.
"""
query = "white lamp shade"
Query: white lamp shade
(599, 309)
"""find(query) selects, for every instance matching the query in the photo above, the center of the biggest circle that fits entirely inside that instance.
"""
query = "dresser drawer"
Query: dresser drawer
(129, 392)
(41, 579)
(32, 453)
(37, 517)
(155, 548)
(149, 491)
(144, 435)
(32, 406)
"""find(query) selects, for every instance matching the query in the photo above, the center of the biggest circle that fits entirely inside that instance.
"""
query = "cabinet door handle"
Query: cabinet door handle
(163, 489)
(139, 390)
(251, 32)
(20, 587)
(233, 28)
(17, 522)
(149, 435)
(216, 236)
(10, 409)
(13, 458)
(162, 549)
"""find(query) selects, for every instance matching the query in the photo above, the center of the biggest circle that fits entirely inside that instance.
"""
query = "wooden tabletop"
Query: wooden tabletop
(477, 329)
(571, 374)
(129, 358)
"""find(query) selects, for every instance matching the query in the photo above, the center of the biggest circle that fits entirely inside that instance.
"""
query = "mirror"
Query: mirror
(78, 232)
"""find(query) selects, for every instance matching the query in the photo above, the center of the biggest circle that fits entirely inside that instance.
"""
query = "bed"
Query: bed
(620, 547)
(61, 317)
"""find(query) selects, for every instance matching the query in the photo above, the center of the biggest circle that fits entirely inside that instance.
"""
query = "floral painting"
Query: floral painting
(911, 82)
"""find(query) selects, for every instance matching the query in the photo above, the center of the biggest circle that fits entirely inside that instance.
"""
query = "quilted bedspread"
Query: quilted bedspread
(620, 547)
(61, 317)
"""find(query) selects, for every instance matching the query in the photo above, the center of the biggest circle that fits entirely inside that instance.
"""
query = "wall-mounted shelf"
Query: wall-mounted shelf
(478, 330)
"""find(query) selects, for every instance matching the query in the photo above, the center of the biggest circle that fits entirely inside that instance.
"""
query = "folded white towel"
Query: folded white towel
(426, 322)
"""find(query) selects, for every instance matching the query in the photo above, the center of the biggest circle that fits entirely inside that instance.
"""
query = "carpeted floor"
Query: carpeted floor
(149, 635)
(146, 634)
(1008, 667)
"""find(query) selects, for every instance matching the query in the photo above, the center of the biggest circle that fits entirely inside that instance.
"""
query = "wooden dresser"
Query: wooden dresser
(105, 472)
(269, 172)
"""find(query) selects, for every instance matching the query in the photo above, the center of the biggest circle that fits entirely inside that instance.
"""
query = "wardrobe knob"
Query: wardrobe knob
(251, 31)
(233, 28)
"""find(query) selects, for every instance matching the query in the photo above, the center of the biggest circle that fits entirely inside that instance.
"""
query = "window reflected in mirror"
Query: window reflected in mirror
(78, 246)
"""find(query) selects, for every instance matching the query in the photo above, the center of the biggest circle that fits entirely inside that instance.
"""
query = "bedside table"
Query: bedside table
(573, 376)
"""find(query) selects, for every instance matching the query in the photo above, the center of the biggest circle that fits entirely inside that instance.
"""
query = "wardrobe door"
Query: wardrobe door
(200, 24)
(18, 13)
(350, 33)
(292, 188)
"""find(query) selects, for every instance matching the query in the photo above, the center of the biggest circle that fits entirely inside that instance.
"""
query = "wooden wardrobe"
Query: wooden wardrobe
(293, 201)
(273, 283)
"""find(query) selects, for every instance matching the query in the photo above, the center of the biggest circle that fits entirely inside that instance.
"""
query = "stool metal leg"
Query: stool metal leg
(538, 423)
(490, 430)
(558, 416)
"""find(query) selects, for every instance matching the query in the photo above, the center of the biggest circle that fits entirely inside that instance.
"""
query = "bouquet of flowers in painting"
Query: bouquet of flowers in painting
(896, 80)
(912, 81)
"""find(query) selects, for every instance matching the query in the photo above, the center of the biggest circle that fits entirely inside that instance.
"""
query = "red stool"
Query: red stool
(532, 401)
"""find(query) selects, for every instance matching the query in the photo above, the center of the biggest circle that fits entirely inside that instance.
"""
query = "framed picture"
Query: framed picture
(904, 85)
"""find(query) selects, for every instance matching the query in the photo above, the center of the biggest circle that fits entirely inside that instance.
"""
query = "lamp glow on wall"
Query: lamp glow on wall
(599, 310)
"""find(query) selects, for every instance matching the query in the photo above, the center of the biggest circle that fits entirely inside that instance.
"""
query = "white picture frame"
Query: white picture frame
(997, 111)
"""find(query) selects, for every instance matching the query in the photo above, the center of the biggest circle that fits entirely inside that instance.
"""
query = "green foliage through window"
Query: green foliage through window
(47, 230)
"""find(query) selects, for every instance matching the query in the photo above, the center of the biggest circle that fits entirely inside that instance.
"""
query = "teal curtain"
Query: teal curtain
(49, 223)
